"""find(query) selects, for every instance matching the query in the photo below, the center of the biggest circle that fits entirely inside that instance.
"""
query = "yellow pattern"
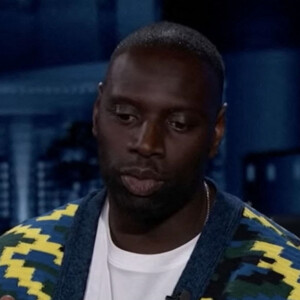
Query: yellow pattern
(15, 267)
(263, 220)
(281, 266)
(57, 214)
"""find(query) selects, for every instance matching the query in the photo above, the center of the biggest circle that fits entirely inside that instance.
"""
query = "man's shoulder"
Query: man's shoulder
(257, 227)
(260, 261)
(31, 253)
(52, 224)
(264, 243)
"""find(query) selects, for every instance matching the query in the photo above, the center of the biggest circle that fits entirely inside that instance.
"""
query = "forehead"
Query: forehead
(162, 74)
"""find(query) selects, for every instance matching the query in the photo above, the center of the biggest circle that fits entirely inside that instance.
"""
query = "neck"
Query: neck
(179, 228)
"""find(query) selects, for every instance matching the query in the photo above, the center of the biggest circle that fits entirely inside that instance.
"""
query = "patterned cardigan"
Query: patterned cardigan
(240, 255)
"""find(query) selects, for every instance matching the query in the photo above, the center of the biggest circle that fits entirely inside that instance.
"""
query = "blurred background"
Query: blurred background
(54, 52)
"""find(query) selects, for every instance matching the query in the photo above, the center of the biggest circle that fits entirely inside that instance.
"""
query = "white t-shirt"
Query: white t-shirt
(116, 274)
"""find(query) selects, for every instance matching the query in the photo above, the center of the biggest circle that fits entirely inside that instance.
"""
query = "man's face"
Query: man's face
(156, 124)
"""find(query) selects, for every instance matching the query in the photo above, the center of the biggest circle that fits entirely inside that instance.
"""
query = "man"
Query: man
(160, 229)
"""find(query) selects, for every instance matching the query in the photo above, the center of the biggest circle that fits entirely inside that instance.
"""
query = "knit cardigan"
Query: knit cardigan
(240, 255)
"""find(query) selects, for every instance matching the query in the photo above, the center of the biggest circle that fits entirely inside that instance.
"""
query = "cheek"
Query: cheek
(188, 153)
(111, 140)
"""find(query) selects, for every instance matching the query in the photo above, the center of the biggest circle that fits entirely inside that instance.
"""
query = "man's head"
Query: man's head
(179, 37)
(158, 119)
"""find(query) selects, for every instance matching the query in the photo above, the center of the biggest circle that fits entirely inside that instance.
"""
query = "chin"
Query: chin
(151, 209)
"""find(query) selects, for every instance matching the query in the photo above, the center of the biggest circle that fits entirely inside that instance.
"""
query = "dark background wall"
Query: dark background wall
(53, 53)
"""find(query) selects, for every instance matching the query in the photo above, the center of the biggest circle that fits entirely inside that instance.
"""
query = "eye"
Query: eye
(178, 126)
(127, 118)
(125, 113)
(179, 122)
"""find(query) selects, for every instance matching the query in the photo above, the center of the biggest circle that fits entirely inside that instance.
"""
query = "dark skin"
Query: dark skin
(157, 121)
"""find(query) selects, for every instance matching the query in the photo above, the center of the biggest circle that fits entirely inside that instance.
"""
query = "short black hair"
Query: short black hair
(173, 35)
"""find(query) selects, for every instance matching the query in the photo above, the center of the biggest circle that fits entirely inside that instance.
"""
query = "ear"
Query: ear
(96, 109)
(219, 131)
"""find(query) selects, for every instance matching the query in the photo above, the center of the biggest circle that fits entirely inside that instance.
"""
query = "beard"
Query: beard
(149, 210)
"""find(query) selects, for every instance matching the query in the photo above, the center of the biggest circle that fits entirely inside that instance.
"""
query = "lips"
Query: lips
(141, 187)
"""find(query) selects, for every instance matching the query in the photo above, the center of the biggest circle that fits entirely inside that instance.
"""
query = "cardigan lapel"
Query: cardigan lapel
(79, 249)
(222, 223)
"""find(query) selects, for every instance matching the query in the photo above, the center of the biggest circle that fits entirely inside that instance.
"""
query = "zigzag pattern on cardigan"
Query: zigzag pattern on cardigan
(262, 262)
(31, 254)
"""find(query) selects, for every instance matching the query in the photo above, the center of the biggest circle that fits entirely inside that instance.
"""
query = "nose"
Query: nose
(148, 140)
